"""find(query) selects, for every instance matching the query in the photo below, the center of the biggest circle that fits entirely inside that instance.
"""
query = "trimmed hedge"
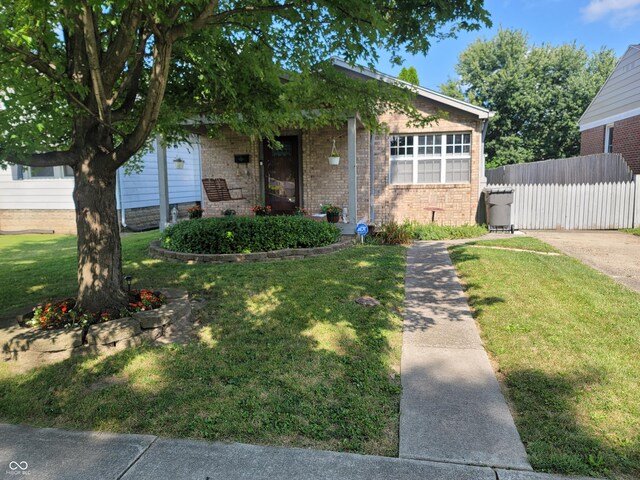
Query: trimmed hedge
(247, 234)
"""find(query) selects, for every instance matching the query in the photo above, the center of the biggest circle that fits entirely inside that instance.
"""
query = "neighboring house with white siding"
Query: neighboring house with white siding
(611, 123)
(41, 198)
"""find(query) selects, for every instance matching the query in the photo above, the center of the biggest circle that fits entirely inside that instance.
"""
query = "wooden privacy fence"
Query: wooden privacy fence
(601, 167)
(600, 206)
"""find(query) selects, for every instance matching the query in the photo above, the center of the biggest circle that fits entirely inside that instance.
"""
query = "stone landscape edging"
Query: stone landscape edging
(101, 337)
(156, 251)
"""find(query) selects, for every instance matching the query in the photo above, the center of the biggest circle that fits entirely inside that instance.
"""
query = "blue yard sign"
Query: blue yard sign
(362, 229)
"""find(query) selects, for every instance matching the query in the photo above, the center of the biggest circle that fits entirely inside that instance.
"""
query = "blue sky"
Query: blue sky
(593, 23)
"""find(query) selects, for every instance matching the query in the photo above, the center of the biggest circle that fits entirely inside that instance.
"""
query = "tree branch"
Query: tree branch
(120, 48)
(47, 159)
(208, 17)
(155, 94)
(91, 46)
(132, 78)
(34, 61)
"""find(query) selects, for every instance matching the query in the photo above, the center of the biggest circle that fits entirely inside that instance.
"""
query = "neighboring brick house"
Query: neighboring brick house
(612, 122)
(399, 175)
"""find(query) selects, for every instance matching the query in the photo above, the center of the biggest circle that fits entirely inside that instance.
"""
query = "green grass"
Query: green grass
(520, 243)
(284, 355)
(566, 340)
(632, 231)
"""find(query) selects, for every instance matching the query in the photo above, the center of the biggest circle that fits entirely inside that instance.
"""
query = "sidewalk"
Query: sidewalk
(452, 409)
(48, 454)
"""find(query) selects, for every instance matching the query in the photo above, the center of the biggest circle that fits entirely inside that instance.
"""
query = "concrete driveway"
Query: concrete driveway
(614, 253)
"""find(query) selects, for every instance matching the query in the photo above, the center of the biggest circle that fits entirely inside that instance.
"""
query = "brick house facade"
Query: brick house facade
(626, 141)
(611, 123)
(380, 193)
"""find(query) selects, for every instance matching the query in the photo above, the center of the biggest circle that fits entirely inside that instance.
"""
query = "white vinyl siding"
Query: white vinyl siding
(619, 97)
(430, 158)
(38, 192)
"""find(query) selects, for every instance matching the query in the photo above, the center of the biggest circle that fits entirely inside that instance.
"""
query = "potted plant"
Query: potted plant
(301, 212)
(195, 211)
(332, 212)
(261, 210)
(334, 157)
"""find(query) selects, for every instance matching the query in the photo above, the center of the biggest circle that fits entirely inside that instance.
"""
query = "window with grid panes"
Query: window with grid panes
(458, 158)
(430, 158)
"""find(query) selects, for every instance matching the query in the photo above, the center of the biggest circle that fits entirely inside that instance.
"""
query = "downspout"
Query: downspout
(372, 139)
(485, 127)
(123, 215)
(482, 181)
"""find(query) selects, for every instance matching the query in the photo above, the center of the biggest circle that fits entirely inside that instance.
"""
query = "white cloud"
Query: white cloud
(618, 13)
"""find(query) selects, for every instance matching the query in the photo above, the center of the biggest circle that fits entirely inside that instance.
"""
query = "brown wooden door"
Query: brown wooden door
(281, 169)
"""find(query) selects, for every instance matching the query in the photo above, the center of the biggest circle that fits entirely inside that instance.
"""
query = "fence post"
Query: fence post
(636, 201)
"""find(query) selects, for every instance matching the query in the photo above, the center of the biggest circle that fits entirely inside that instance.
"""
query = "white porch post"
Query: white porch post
(163, 182)
(353, 183)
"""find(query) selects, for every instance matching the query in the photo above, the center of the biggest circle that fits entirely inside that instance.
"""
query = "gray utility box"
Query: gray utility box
(498, 201)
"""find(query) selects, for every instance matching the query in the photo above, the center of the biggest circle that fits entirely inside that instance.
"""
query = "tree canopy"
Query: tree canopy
(538, 93)
(409, 75)
(84, 83)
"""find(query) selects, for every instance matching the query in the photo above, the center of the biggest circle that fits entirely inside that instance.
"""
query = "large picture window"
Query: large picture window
(430, 158)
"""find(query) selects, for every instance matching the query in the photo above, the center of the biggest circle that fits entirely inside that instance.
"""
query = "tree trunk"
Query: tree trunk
(100, 281)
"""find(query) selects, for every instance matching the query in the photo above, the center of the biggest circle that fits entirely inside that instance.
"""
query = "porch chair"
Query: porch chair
(217, 190)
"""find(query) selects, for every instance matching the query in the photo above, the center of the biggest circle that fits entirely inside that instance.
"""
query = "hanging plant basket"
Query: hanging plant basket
(334, 157)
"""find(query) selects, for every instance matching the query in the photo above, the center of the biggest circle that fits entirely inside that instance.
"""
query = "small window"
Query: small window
(41, 172)
(458, 170)
(402, 171)
(429, 171)
(608, 139)
(459, 144)
(401, 146)
(68, 171)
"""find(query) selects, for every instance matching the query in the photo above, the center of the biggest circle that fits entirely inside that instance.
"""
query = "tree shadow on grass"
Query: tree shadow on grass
(555, 438)
(286, 358)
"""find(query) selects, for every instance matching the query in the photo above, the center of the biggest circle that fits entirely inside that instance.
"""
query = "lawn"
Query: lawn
(284, 355)
(565, 339)
(633, 231)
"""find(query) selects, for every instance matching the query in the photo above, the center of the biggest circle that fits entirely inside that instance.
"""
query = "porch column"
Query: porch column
(163, 182)
(353, 183)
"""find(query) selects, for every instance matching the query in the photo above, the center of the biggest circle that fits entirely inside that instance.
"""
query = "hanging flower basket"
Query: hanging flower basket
(334, 158)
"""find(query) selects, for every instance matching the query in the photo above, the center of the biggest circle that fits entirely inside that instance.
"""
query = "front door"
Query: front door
(281, 169)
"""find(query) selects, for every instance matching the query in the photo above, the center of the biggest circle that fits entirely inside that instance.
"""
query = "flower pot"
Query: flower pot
(333, 217)
(334, 160)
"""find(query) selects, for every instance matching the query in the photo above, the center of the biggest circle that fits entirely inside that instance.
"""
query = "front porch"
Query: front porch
(296, 176)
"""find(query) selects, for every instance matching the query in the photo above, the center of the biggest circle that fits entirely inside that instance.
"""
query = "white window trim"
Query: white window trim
(607, 133)
(443, 158)
(58, 174)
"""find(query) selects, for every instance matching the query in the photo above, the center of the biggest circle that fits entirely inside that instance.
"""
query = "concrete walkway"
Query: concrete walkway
(46, 453)
(452, 409)
(615, 254)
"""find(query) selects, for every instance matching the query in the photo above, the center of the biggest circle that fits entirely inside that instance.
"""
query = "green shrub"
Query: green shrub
(394, 233)
(248, 234)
